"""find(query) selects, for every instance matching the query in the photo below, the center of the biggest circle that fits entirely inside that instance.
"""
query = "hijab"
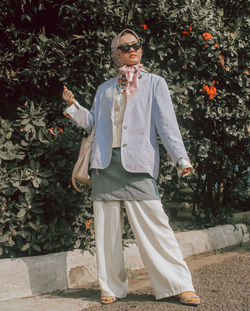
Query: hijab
(132, 73)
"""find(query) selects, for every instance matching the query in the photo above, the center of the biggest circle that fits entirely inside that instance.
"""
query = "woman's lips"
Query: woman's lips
(132, 55)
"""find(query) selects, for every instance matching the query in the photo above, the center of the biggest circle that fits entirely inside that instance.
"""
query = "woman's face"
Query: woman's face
(132, 57)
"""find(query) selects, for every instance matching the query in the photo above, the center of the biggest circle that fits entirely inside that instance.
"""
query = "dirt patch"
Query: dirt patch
(195, 262)
(221, 279)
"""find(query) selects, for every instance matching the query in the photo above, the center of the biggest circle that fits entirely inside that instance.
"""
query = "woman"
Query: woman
(128, 112)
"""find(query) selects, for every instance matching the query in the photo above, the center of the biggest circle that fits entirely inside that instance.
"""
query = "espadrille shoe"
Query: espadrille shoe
(108, 299)
(189, 298)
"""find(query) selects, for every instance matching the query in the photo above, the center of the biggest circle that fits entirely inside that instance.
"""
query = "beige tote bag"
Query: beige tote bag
(80, 172)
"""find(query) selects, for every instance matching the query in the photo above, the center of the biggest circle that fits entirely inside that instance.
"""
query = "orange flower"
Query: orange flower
(205, 88)
(210, 91)
(144, 26)
(222, 60)
(207, 36)
(185, 32)
(88, 224)
(216, 45)
(60, 129)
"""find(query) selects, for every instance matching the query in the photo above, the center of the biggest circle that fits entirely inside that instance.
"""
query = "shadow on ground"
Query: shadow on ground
(219, 278)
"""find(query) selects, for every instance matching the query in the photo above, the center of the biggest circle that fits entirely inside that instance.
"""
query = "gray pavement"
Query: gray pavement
(221, 279)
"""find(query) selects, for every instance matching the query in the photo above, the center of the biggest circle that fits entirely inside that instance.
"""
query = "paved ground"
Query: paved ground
(221, 279)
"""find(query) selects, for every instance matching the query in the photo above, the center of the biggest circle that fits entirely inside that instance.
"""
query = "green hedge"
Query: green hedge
(199, 47)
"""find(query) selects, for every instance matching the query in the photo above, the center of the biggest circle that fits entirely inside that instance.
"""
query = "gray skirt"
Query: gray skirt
(115, 183)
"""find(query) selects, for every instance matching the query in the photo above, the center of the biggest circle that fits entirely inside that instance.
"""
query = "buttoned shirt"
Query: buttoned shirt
(119, 109)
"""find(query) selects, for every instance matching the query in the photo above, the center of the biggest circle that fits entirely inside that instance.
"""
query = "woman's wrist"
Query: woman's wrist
(183, 166)
(183, 161)
(70, 103)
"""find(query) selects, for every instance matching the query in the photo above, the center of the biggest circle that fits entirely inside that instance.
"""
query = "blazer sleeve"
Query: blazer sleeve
(81, 116)
(166, 122)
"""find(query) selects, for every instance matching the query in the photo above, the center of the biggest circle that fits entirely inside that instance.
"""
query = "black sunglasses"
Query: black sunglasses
(126, 47)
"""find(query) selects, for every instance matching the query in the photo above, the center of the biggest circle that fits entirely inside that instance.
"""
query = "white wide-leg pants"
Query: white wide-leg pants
(155, 239)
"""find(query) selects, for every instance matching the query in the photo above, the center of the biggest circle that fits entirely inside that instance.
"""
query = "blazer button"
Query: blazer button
(124, 145)
(125, 127)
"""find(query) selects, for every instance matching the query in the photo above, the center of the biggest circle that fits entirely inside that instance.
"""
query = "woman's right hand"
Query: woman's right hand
(68, 96)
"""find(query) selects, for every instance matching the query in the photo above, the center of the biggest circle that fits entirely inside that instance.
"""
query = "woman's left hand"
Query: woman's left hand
(186, 170)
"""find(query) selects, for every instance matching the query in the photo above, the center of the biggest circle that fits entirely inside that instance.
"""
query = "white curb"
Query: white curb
(29, 276)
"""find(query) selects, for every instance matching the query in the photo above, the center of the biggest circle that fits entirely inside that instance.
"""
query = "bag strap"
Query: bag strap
(85, 140)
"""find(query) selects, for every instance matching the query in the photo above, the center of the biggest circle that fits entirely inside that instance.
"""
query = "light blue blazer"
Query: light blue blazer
(148, 111)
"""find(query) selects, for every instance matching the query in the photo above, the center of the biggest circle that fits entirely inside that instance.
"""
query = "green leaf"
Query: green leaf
(36, 247)
(37, 210)
(21, 213)
(25, 247)
(45, 174)
(24, 143)
(32, 164)
(41, 137)
(42, 38)
(25, 121)
(45, 182)
(4, 156)
(4, 239)
(152, 47)
(28, 196)
(35, 183)
(38, 123)
(130, 15)
(8, 135)
(34, 226)
(179, 89)
(23, 188)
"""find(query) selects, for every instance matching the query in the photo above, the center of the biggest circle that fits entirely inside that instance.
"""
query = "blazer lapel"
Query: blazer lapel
(110, 96)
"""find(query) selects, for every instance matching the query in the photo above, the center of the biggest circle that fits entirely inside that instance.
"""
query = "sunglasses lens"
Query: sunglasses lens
(126, 47)
(136, 46)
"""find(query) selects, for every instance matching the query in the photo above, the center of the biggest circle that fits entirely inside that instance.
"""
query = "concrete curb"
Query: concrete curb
(29, 276)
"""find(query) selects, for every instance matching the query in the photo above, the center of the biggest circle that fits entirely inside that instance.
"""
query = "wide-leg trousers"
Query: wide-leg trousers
(155, 239)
